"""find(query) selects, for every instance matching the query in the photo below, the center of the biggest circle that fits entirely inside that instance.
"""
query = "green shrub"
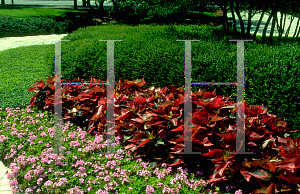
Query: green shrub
(274, 79)
(157, 11)
(271, 72)
(135, 57)
(15, 26)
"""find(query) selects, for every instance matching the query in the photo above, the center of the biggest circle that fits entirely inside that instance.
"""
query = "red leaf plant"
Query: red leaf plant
(150, 124)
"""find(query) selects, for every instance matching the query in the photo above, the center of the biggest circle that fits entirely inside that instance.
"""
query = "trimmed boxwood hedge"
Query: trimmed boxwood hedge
(14, 26)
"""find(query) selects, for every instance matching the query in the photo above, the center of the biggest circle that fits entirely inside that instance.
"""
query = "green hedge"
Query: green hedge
(15, 26)
(272, 73)
(147, 11)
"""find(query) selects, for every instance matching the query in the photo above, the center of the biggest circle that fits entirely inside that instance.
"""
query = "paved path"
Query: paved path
(4, 182)
(14, 42)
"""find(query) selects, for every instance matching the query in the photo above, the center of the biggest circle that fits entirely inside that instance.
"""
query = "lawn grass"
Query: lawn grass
(29, 59)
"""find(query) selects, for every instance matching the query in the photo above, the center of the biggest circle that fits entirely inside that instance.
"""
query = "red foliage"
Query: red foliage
(151, 124)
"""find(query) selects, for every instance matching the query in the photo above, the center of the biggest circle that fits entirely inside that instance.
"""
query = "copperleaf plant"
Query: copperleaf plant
(151, 125)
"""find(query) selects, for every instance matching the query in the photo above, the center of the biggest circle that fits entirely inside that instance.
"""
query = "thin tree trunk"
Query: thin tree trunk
(237, 11)
(273, 25)
(89, 4)
(257, 27)
(115, 6)
(225, 19)
(279, 27)
(233, 16)
(294, 35)
(288, 30)
(75, 4)
(267, 24)
(298, 33)
(116, 9)
(284, 23)
(251, 14)
(296, 28)
(249, 22)
(100, 6)
(252, 11)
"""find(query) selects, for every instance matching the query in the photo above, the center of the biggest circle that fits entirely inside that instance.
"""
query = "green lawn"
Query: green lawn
(32, 13)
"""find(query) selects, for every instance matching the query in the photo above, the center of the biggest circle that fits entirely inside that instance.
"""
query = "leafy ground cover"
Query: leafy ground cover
(40, 127)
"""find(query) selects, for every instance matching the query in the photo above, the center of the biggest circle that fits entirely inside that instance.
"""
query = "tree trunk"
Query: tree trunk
(296, 28)
(279, 27)
(224, 20)
(75, 4)
(249, 22)
(2, 2)
(100, 7)
(298, 33)
(288, 30)
(253, 8)
(257, 27)
(12, 1)
(284, 23)
(115, 6)
(84, 3)
(233, 16)
(267, 24)
(89, 4)
(273, 25)
(237, 11)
